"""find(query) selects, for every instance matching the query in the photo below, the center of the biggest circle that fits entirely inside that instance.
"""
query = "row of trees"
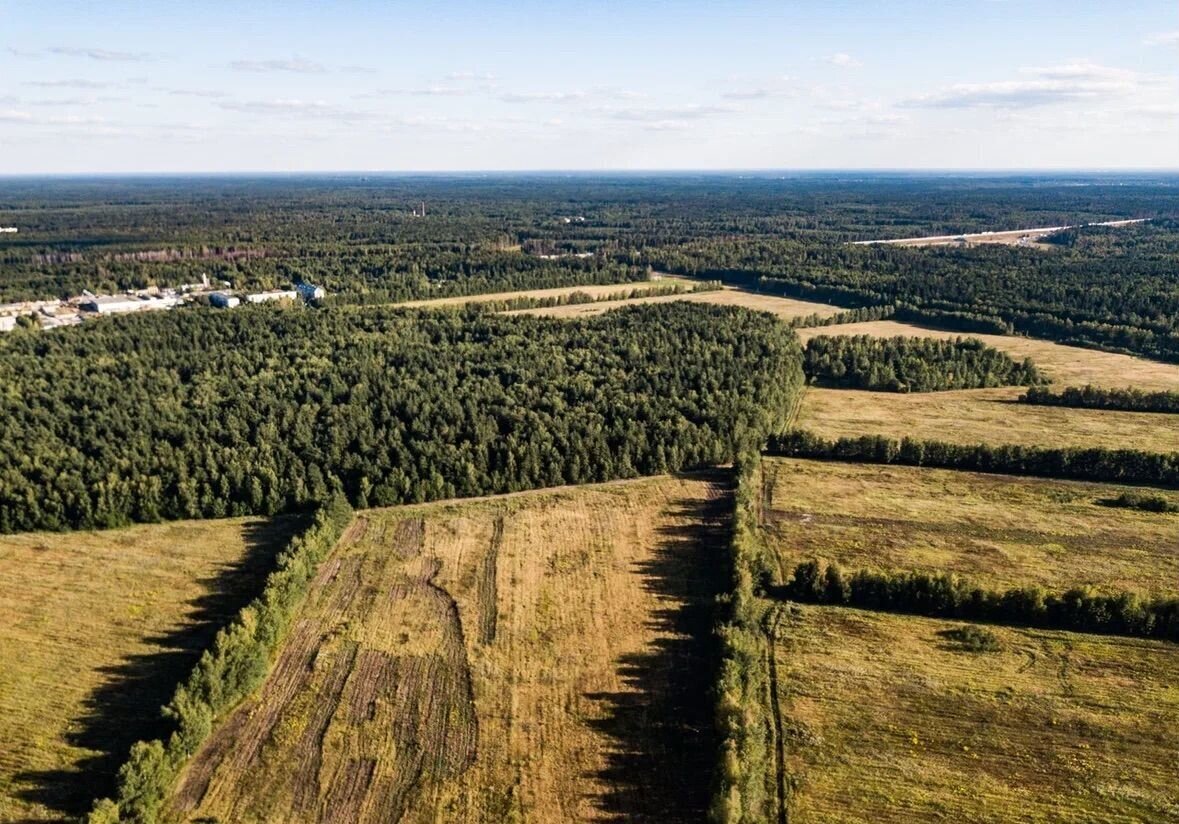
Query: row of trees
(1096, 397)
(905, 364)
(945, 595)
(261, 410)
(233, 667)
(1129, 466)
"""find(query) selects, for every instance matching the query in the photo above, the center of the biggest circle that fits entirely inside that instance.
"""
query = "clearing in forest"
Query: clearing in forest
(603, 292)
(785, 308)
(998, 530)
(96, 628)
(543, 656)
(1064, 365)
(989, 416)
(886, 718)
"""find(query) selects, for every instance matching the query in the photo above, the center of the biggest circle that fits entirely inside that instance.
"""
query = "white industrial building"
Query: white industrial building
(275, 294)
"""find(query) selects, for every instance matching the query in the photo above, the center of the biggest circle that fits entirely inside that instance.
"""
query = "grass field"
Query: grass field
(1065, 365)
(785, 308)
(999, 530)
(600, 292)
(981, 416)
(885, 720)
(96, 628)
(538, 657)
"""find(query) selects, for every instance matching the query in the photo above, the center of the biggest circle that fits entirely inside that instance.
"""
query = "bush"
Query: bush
(972, 639)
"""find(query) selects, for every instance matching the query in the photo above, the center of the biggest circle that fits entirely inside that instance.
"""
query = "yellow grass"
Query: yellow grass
(998, 530)
(600, 291)
(95, 630)
(981, 416)
(886, 721)
(1065, 365)
(524, 658)
(785, 308)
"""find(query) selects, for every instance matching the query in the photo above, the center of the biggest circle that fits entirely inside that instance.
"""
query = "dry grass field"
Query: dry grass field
(981, 416)
(998, 530)
(784, 308)
(1065, 365)
(886, 720)
(601, 292)
(96, 628)
(538, 657)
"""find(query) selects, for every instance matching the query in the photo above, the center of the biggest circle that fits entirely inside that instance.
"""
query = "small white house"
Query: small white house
(7, 323)
(223, 300)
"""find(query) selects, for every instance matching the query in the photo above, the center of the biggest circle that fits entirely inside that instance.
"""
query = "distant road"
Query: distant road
(1009, 236)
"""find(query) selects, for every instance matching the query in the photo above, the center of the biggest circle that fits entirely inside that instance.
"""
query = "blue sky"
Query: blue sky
(208, 86)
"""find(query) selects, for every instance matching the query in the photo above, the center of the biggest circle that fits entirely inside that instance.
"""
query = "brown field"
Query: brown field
(539, 657)
(886, 720)
(998, 530)
(785, 308)
(981, 416)
(1065, 365)
(96, 628)
(601, 291)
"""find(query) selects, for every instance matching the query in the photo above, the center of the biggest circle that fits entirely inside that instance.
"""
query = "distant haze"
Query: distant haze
(299, 86)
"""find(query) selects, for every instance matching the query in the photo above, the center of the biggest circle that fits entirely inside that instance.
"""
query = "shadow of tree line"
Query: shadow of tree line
(126, 707)
(662, 763)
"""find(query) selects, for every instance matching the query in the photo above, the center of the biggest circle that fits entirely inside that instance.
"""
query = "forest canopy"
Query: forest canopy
(261, 409)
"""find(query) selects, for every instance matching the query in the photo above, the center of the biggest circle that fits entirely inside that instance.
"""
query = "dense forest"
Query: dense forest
(258, 410)
(903, 364)
(1096, 397)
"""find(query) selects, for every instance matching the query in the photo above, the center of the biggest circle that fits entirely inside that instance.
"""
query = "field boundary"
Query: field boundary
(234, 665)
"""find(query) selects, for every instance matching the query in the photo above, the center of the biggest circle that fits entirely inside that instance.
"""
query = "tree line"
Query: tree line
(944, 595)
(262, 409)
(233, 667)
(906, 364)
(1127, 466)
(1096, 397)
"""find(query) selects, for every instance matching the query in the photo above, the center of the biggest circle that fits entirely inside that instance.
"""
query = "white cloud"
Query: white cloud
(210, 93)
(14, 116)
(1039, 86)
(106, 55)
(482, 77)
(298, 65)
(668, 114)
(76, 83)
(1162, 38)
(295, 108)
(843, 60)
(538, 97)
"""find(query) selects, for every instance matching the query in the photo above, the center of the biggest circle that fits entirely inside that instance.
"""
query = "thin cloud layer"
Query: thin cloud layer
(297, 65)
(105, 55)
(1040, 86)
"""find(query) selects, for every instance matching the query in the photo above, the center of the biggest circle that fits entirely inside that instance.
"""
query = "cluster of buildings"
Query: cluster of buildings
(50, 314)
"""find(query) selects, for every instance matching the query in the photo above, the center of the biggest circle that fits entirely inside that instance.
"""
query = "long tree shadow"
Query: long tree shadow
(662, 763)
(126, 707)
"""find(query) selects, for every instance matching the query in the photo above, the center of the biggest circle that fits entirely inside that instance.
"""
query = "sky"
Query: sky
(211, 86)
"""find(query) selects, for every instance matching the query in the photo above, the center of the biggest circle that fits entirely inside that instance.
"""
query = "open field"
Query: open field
(998, 530)
(1065, 365)
(1012, 237)
(601, 292)
(887, 720)
(96, 628)
(981, 416)
(541, 657)
(785, 308)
